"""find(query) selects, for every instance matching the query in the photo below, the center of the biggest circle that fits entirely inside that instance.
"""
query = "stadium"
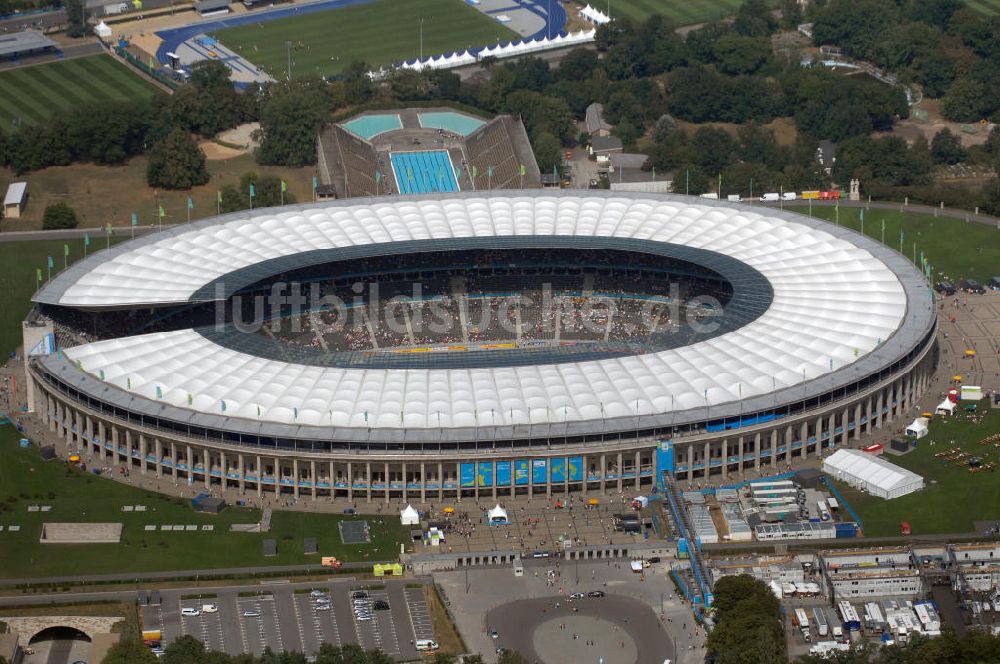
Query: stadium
(465, 344)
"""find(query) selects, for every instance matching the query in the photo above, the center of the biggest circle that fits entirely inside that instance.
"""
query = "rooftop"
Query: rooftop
(24, 42)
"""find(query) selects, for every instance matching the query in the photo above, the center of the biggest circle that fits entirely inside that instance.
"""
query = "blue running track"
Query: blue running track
(423, 172)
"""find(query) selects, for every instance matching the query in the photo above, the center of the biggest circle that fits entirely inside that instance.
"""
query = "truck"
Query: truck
(824, 511)
(822, 626)
(850, 615)
(873, 617)
(802, 622)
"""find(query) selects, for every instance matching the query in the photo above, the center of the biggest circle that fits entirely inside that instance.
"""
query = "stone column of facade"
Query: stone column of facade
(586, 473)
(158, 451)
(116, 452)
(295, 478)
(857, 421)
(621, 469)
(804, 433)
(128, 447)
(312, 477)
(332, 481)
(603, 470)
(690, 463)
(423, 483)
(879, 405)
(142, 454)
(708, 461)
(757, 440)
(774, 448)
(638, 471)
(190, 462)
(78, 424)
(440, 481)
(260, 476)
(386, 481)
(350, 481)
(88, 441)
(241, 469)
(207, 463)
(368, 475)
(819, 437)
(173, 460)
(52, 412)
(740, 452)
(845, 416)
(725, 458)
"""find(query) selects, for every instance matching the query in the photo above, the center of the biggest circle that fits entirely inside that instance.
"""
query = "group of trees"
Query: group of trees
(189, 650)
(948, 49)
(748, 627)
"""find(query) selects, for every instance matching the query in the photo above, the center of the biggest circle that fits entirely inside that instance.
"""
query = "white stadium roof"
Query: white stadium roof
(834, 302)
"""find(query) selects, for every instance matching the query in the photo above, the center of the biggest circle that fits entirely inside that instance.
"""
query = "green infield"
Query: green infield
(955, 248)
(19, 262)
(954, 497)
(683, 13)
(32, 94)
(80, 496)
(378, 33)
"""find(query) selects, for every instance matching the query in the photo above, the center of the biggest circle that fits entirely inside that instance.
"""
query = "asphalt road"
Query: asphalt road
(517, 621)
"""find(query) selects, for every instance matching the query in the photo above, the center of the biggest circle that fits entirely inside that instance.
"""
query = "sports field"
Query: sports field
(378, 33)
(78, 496)
(683, 12)
(984, 7)
(31, 94)
(953, 498)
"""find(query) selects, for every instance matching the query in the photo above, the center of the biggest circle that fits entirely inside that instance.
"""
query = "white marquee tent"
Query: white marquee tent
(409, 516)
(946, 407)
(918, 429)
(872, 474)
(102, 30)
(498, 516)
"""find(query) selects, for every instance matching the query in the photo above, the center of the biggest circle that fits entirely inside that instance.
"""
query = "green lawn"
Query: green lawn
(953, 497)
(77, 496)
(683, 12)
(955, 249)
(18, 278)
(378, 33)
(32, 94)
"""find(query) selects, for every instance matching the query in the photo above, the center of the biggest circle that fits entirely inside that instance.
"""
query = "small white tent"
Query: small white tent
(946, 408)
(409, 516)
(918, 429)
(102, 30)
(498, 516)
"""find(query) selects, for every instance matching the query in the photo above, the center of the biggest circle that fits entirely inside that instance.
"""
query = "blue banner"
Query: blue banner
(538, 471)
(521, 470)
(558, 470)
(575, 469)
(467, 475)
(484, 476)
(503, 473)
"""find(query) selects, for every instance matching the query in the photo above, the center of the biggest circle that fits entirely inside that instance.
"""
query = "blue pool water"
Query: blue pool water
(368, 126)
(449, 121)
(423, 172)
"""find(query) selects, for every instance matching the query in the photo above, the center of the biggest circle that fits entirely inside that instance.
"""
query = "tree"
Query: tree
(176, 163)
(129, 651)
(541, 114)
(736, 54)
(946, 148)
(714, 149)
(76, 18)
(753, 19)
(59, 216)
(690, 179)
(267, 193)
(748, 627)
(290, 120)
(184, 650)
(548, 152)
(209, 104)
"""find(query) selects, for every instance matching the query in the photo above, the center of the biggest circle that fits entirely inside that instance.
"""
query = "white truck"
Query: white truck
(822, 626)
(802, 621)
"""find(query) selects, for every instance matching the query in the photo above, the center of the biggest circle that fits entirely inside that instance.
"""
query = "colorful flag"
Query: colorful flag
(190, 203)
(65, 250)
(458, 172)
(86, 239)
(218, 197)
(489, 171)
(523, 170)
(38, 273)
(190, 399)
(101, 373)
(475, 171)
(162, 213)
(314, 183)
(295, 413)
(284, 187)
(51, 263)
(107, 229)
(135, 219)
(222, 405)
(128, 382)
(378, 176)
(862, 214)
(258, 408)
(253, 192)
(159, 392)
(409, 173)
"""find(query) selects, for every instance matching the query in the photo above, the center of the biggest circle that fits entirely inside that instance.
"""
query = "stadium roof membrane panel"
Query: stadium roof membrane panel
(838, 298)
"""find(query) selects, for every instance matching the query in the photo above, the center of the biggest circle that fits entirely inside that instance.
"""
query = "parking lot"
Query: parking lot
(296, 617)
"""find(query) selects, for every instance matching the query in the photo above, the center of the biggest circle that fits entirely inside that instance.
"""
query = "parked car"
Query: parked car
(971, 286)
(190, 612)
(317, 593)
(251, 614)
(945, 287)
(359, 594)
(540, 554)
(595, 593)
(380, 605)
(322, 607)
(577, 596)
(209, 608)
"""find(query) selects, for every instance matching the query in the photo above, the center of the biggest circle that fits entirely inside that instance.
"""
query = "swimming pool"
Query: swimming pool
(450, 121)
(369, 126)
(423, 172)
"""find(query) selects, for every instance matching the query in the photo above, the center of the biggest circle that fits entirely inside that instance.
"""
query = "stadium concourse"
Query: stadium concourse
(816, 336)
(423, 151)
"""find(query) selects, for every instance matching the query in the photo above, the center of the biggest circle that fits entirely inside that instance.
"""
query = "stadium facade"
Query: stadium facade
(827, 336)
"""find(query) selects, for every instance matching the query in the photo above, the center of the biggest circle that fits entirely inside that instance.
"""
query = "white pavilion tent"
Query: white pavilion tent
(498, 516)
(946, 407)
(871, 474)
(409, 516)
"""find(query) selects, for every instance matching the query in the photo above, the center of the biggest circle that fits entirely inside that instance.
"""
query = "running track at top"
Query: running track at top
(176, 36)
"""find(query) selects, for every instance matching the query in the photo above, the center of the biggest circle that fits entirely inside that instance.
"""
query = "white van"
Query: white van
(733, 198)
(426, 644)
(518, 569)
(770, 197)
(788, 196)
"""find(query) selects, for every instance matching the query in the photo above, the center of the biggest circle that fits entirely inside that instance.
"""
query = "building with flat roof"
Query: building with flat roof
(15, 200)
(19, 44)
